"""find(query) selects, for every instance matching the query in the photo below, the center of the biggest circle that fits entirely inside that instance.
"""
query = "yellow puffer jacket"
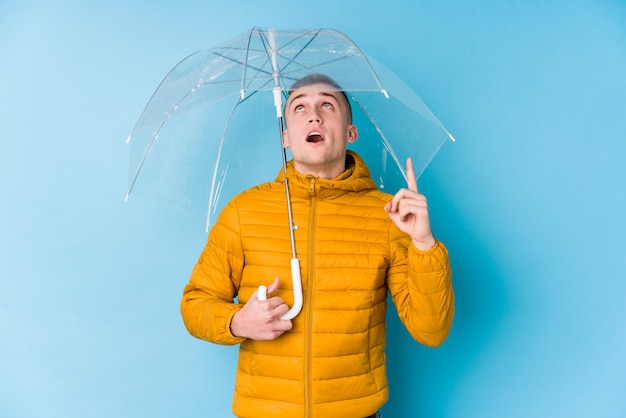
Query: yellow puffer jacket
(332, 363)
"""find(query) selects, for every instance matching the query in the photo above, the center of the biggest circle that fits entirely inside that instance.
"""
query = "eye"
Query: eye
(328, 106)
(298, 108)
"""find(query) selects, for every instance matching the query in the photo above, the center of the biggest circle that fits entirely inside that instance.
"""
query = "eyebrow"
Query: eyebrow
(291, 99)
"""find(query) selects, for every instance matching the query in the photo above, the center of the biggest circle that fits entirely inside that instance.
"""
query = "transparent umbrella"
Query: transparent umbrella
(212, 127)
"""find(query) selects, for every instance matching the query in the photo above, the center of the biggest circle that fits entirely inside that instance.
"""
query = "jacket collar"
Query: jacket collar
(355, 178)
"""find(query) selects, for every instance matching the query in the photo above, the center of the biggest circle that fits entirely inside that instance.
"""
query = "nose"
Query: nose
(314, 116)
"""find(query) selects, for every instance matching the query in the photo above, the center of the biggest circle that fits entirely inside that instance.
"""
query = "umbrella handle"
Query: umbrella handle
(297, 291)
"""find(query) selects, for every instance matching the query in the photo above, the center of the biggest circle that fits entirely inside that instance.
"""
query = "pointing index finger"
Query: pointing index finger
(410, 175)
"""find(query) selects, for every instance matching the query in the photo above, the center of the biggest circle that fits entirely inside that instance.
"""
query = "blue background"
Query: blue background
(529, 201)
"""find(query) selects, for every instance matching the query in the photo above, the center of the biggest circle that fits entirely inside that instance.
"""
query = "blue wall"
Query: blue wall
(528, 200)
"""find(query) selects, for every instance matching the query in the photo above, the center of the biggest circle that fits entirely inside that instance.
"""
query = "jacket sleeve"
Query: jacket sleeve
(420, 283)
(207, 305)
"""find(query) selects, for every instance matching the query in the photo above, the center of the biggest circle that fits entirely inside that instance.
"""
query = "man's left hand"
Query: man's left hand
(409, 210)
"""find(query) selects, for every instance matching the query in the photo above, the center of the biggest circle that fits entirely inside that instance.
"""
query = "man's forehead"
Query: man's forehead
(315, 89)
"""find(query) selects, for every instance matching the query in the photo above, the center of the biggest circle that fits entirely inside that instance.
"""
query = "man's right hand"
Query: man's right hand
(260, 320)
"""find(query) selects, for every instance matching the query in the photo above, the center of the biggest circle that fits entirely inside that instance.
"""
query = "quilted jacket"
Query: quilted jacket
(332, 362)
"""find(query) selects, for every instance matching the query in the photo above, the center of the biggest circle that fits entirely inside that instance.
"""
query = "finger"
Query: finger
(399, 200)
(280, 309)
(284, 325)
(274, 286)
(410, 175)
(276, 304)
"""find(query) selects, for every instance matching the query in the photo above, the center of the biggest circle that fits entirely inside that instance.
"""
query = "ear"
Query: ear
(353, 134)
(285, 139)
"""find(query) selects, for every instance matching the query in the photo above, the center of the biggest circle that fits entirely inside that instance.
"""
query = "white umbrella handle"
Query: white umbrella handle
(297, 291)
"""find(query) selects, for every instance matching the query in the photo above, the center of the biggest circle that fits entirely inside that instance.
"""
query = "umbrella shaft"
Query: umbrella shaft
(291, 225)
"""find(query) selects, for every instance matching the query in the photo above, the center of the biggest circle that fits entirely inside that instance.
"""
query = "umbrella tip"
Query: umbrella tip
(383, 91)
(128, 139)
(451, 137)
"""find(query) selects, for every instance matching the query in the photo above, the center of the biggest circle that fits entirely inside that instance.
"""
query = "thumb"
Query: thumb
(274, 286)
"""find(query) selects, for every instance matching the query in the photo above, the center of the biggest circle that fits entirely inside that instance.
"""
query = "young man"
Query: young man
(354, 243)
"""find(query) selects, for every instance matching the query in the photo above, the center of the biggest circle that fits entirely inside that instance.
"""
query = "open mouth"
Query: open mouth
(314, 137)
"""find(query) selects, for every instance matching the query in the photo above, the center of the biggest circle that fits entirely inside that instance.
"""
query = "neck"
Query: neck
(321, 171)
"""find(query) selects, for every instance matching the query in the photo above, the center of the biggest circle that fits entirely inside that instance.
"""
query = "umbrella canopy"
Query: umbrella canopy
(210, 129)
(213, 126)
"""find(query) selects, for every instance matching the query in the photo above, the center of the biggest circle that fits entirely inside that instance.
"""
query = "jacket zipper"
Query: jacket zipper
(309, 298)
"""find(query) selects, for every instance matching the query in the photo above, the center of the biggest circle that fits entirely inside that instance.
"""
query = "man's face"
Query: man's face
(317, 130)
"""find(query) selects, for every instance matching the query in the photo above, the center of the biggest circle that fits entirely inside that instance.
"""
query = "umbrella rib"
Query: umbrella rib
(155, 136)
(143, 160)
(310, 67)
(245, 65)
(385, 141)
(292, 59)
(380, 84)
(242, 63)
(212, 195)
